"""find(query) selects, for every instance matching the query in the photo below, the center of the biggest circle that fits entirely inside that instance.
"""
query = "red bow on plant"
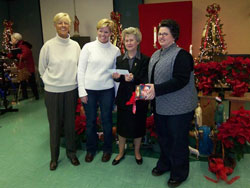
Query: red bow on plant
(216, 165)
(132, 101)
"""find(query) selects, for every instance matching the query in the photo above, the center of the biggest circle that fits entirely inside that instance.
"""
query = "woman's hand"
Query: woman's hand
(129, 77)
(116, 75)
(150, 94)
(84, 99)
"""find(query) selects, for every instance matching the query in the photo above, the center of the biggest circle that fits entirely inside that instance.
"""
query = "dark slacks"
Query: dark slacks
(173, 140)
(61, 113)
(33, 86)
(104, 99)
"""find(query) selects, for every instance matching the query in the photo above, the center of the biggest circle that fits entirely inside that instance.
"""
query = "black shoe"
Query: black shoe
(74, 161)
(89, 157)
(174, 183)
(139, 161)
(106, 157)
(53, 165)
(157, 172)
(116, 162)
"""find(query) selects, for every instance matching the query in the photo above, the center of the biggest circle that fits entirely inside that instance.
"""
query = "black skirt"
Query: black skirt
(131, 125)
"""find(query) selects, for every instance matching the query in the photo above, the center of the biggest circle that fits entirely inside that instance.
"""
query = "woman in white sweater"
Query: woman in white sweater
(96, 87)
(58, 69)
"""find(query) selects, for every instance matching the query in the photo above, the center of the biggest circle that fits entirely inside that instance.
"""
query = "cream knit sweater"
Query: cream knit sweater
(58, 62)
(95, 60)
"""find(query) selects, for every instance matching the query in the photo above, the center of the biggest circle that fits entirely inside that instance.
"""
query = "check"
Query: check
(120, 71)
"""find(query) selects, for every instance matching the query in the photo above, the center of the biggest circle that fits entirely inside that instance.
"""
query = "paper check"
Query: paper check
(120, 71)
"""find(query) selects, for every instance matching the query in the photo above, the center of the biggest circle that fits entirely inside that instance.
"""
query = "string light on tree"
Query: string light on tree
(116, 37)
(212, 43)
(6, 45)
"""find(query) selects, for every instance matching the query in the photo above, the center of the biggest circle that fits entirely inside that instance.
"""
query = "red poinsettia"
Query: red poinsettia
(234, 72)
(207, 75)
(150, 126)
(237, 74)
(235, 132)
(80, 119)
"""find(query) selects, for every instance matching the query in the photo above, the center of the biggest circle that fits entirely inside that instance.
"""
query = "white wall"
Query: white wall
(89, 12)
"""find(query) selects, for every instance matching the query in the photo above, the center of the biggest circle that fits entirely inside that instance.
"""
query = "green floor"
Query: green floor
(25, 156)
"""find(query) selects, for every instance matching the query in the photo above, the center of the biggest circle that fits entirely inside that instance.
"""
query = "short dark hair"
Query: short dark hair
(173, 27)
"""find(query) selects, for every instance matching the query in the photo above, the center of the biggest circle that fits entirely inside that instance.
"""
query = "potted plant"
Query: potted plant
(207, 76)
(236, 72)
(234, 134)
(151, 133)
(80, 124)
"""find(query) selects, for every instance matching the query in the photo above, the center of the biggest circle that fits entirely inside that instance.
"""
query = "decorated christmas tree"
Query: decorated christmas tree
(116, 37)
(213, 45)
(6, 45)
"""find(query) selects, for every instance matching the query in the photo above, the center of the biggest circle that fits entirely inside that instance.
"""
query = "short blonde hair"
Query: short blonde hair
(17, 36)
(61, 15)
(134, 31)
(105, 23)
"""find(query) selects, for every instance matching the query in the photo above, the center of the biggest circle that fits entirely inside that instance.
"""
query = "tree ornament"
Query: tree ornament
(116, 37)
(7, 32)
(212, 43)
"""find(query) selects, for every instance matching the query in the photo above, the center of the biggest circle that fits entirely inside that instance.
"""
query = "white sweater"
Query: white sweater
(95, 60)
(58, 62)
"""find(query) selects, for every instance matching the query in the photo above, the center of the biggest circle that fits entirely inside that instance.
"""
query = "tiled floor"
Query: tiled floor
(24, 161)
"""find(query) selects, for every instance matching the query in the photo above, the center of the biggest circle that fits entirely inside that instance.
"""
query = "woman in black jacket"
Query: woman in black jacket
(131, 125)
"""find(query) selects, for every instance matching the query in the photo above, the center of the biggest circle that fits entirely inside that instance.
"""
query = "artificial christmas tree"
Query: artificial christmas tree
(116, 37)
(6, 45)
(213, 45)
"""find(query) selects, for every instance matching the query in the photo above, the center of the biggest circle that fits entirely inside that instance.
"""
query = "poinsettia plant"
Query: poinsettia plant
(207, 75)
(80, 120)
(235, 133)
(234, 72)
(150, 126)
(80, 123)
(237, 74)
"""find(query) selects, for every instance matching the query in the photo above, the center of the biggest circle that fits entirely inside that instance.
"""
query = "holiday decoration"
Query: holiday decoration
(76, 26)
(219, 112)
(212, 42)
(207, 75)
(6, 45)
(80, 119)
(218, 166)
(231, 73)
(132, 101)
(76, 22)
(235, 133)
(81, 123)
(150, 126)
(116, 37)
(236, 72)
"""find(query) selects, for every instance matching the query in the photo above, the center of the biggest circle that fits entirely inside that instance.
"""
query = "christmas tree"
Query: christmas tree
(6, 45)
(116, 37)
(213, 45)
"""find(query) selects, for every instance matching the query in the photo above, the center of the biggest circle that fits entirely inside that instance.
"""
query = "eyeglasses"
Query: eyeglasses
(162, 34)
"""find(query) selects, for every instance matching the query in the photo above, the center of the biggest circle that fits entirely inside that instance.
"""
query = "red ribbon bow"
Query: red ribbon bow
(132, 101)
(216, 165)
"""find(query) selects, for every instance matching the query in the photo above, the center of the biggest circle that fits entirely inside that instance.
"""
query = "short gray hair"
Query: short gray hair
(134, 31)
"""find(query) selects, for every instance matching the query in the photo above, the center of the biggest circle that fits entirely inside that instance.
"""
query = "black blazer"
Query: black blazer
(125, 90)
